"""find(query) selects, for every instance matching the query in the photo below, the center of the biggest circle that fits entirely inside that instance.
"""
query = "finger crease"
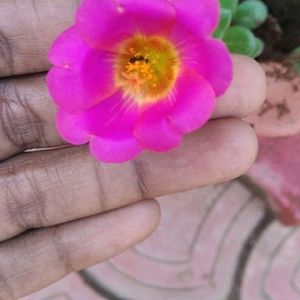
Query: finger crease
(61, 251)
(140, 179)
(6, 52)
(21, 125)
(102, 195)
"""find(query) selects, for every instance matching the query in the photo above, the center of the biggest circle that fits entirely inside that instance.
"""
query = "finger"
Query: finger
(28, 114)
(28, 29)
(47, 188)
(37, 259)
(247, 91)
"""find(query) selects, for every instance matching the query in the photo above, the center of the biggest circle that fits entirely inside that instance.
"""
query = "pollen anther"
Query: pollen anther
(146, 68)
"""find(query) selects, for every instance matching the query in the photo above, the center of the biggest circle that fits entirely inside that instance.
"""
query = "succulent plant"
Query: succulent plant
(238, 20)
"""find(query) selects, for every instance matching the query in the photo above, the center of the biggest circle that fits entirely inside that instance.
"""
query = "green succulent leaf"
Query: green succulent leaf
(230, 4)
(240, 40)
(259, 48)
(296, 58)
(250, 14)
(237, 22)
(298, 68)
(225, 21)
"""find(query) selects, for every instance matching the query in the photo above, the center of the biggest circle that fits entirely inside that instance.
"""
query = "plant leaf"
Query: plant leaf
(240, 40)
(259, 48)
(230, 4)
(225, 21)
(250, 14)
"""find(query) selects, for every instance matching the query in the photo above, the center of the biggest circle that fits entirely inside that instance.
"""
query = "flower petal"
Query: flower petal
(150, 17)
(68, 49)
(81, 76)
(71, 128)
(194, 103)
(153, 129)
(113, 118)
(104, 23)
(199, 16)
(209, 57)
(115, 150)
(160, 127)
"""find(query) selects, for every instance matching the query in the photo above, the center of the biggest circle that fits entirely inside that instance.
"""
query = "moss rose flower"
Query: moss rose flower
(132, 75)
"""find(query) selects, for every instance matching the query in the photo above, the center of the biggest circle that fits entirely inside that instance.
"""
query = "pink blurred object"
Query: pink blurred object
(280, 114)
(277, 171)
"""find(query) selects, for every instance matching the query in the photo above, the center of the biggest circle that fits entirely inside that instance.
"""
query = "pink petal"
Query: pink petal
(150, 17)
(70, 128)
(68, 49)
(81, 76)
(115, 150)
(161, 126)
(153, 129)
(104, 23)
(114, 117)
(199, 16)
(209, 57)
(194, 103)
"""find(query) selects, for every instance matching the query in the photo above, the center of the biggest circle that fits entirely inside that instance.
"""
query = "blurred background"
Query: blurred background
(239, 240)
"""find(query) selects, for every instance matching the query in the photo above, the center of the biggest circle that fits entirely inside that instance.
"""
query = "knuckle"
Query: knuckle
(20, 124)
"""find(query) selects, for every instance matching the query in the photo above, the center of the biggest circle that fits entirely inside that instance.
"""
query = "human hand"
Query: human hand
(62, 211)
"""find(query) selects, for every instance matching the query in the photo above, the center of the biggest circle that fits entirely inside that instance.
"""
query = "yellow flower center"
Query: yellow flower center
(146, 68)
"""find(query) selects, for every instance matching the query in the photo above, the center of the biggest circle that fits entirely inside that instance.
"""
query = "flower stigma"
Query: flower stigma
(146, 68)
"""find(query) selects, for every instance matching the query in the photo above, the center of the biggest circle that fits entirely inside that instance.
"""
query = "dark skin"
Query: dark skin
(62, 211)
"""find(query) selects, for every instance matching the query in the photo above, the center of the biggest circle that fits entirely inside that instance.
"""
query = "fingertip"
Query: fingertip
(250, 144)
(149, 216)
(254, 81)
(247, 91)
(242, 147)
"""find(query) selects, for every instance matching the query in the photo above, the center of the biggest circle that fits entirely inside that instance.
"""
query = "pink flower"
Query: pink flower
(132, 75)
